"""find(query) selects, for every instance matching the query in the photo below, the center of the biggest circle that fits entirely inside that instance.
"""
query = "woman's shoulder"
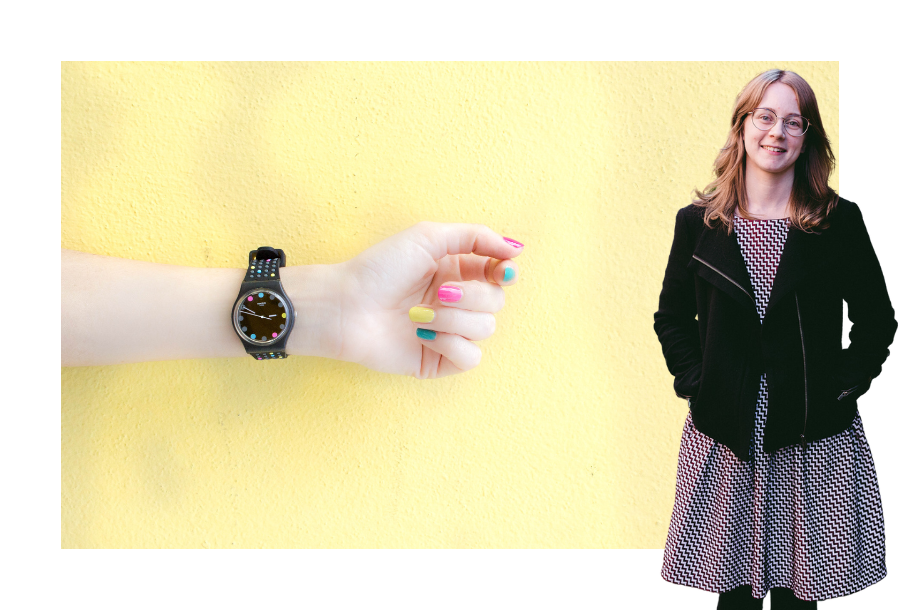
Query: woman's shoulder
(844, 209)
(845, 214)
(692, 213)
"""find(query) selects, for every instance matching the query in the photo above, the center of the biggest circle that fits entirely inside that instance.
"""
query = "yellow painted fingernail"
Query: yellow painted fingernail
(422, 315)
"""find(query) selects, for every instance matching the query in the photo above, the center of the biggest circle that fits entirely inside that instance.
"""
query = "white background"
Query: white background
(36, 39)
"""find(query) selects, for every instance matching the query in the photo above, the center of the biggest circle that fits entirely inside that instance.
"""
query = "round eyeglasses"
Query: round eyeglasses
(764, 119)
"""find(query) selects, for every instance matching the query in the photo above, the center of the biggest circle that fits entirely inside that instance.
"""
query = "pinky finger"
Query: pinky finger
(457, 354)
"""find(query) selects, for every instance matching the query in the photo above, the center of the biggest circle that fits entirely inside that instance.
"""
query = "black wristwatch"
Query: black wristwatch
(263, 315)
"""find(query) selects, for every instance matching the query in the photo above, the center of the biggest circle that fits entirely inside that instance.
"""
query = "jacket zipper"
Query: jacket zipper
(802, 347)
(846, 393)
(725, 276)
(805, 391)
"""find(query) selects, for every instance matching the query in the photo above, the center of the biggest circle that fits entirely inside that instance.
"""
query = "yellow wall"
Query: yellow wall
(567, 433)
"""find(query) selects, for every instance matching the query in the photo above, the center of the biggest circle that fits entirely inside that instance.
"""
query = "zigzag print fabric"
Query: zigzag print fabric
(807, 520)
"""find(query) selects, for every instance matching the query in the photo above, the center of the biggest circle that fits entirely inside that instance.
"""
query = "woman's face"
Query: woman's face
(774, 151)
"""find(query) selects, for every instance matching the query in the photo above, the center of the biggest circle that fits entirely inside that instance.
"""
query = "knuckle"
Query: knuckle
(426, 228)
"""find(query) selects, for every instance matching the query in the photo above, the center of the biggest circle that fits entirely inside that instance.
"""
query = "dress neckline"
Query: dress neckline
(759, 219)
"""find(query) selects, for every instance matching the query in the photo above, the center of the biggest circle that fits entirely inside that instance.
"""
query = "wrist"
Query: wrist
(314, 291)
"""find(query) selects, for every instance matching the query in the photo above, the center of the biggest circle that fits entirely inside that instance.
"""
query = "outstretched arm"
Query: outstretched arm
(412, 304)
(117, 310)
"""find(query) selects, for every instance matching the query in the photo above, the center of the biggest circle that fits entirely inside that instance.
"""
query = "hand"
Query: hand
(409, 270)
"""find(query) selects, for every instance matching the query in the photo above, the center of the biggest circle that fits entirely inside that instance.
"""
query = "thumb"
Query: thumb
(442, 238)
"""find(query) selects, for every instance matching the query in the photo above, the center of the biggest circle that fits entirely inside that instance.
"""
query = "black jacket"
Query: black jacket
(717, 349)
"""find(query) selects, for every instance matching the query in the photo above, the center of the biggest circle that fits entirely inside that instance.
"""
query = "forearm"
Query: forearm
(117, 310)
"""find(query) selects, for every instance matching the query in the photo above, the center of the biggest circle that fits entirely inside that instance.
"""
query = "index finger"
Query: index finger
(442, 238)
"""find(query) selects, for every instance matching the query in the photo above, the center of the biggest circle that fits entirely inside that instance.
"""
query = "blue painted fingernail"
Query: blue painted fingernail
(508, 274)
(424, 333)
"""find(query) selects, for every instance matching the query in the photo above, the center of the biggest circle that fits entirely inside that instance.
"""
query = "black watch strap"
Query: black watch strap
(269, 356)
(263, 267)
(263, 270)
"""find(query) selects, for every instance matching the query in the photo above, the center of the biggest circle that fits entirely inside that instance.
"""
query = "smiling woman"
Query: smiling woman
(776, 132)
(776, 487)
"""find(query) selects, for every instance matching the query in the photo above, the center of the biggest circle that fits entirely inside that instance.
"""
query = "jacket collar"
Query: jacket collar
(717, 258)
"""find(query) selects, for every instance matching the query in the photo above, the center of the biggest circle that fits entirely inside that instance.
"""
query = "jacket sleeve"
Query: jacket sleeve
(869, 307)
(676, 321)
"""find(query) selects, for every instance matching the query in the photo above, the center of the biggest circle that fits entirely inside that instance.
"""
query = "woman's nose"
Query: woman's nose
(777, 129)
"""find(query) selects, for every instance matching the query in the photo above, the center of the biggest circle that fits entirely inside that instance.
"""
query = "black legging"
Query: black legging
(741, 599)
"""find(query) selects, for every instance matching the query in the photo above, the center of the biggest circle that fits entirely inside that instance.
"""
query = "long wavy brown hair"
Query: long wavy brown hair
(811, 198)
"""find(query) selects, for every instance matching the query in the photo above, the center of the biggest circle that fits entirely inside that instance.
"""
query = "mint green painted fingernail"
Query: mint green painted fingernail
(424, 333)
(508, 274)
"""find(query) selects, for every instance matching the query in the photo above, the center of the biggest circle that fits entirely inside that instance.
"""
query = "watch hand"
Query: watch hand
(253, 314)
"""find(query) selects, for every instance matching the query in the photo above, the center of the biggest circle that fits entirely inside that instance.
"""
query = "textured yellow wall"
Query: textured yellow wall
(565, 436)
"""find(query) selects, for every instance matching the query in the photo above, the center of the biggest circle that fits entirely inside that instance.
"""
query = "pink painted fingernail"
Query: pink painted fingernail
(513, 242)
(450, 294)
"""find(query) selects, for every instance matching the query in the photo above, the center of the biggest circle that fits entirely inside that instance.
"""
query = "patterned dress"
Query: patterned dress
(807, 520)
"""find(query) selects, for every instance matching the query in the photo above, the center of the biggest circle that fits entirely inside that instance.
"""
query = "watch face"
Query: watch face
(261, 316)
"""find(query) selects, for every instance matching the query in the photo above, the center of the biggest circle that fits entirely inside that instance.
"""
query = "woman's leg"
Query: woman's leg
(739, 599)
(784, 599)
